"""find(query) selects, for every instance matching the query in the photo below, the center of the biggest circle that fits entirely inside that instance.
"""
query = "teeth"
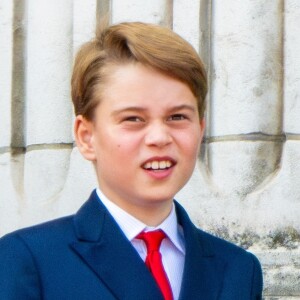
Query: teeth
(158, 165)
(162, 164)
(155, 165)
(147, 165)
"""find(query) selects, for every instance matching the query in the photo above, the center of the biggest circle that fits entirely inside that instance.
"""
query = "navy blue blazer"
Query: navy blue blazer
(87, 256)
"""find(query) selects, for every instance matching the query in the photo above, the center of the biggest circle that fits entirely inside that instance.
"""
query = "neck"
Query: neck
(151, 212)
(151, 216)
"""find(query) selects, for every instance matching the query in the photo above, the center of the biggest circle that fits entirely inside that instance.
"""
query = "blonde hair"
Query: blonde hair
(151, 45)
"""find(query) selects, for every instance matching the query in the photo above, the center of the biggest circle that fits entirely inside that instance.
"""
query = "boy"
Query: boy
(138, 91)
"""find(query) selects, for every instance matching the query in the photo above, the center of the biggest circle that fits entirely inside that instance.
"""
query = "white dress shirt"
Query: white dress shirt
(172, 248)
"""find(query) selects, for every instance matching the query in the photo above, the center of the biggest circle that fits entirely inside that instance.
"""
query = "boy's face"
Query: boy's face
(144, 139)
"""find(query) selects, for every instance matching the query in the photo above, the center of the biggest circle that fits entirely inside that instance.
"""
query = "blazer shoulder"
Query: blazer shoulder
(24, 251)
(221, 246)
(240, 263)
(55, 229)
(60, 229)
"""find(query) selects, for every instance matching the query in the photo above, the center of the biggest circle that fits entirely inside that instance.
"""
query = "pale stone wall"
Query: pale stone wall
(246, 187)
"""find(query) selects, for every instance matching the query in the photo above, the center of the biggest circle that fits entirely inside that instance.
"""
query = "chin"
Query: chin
(157, 198)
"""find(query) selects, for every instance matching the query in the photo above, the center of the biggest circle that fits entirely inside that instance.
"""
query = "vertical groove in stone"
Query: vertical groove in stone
(282, 59)
(169, 14)
(205, 31)
(204, 51)
(208, 156)
(18, 77)
(18, 101)
(103, 10)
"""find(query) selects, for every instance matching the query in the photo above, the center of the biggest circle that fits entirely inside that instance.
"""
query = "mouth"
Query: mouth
(158, 164)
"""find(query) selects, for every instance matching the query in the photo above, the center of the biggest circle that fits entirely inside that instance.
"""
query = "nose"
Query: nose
(158, 134)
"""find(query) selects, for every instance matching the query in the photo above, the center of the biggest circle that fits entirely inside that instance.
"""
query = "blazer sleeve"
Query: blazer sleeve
(257, 282)
(18, 274)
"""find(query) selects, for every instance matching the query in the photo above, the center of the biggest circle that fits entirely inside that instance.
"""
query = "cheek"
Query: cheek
(190, 142)
(129, 141)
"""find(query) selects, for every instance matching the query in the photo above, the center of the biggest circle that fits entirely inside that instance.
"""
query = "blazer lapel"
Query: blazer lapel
(104, 248)
(202, 275)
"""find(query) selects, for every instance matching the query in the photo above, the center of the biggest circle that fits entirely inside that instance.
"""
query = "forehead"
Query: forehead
(135, 81)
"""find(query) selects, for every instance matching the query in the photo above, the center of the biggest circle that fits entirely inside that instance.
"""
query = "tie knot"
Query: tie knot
(152, 239)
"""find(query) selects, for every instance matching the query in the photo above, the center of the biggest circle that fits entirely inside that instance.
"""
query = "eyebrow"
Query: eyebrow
(128, 109)
(183, 107)
(142, 109)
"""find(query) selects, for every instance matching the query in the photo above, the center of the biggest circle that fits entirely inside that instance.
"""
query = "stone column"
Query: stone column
(155, 11)
(48, 108)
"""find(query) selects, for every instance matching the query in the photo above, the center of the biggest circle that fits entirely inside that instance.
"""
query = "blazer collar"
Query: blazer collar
(104, 248)
(202, 275)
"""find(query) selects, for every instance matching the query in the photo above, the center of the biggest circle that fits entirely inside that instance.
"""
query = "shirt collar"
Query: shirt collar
(131, 226)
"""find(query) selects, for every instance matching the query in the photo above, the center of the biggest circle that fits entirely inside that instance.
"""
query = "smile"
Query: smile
(158, 165)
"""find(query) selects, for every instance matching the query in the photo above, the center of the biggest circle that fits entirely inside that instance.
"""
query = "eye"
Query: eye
(177, 117)
(133, 119)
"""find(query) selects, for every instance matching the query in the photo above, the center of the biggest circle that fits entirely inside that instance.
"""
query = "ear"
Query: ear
(83, 131)
(202, 128)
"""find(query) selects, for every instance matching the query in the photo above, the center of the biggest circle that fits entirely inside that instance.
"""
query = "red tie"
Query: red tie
(153, 261)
